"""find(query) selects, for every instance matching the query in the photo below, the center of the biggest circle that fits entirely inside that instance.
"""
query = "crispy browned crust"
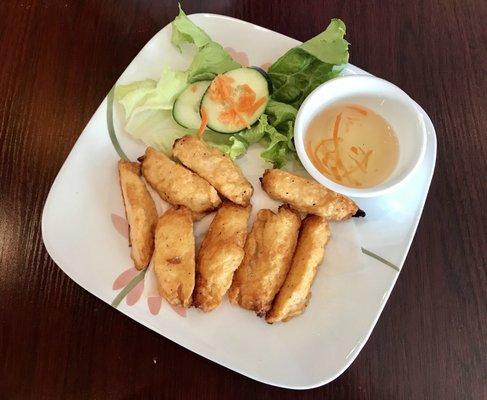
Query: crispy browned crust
(174, 256)
(178, 185)
(307, 196)
(140, 211)
(214, 166)
(220, 255)
(296, 290)
(268, 255)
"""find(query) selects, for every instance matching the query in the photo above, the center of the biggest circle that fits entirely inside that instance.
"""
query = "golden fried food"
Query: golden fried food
(268, 254)
(307, 196)
(220, 255)
(178, 185)
(214, 166)
(140, 211)
(174, 256)
(296, 291)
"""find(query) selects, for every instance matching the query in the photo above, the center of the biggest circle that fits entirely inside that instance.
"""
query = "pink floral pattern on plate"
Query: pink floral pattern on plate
(120, 224)
(154, 300)
(243, 59)
(239, 56)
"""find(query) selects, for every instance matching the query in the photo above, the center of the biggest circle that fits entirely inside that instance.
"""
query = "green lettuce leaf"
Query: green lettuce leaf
(132, 95)
(278, 146)
(236, 145)
(163, 96)
(148, 104)
(151, 95)
(303, 68)
(280, 114)
(231, 145)
(279, 134)
(156, 128)
(329, 46)
(184, 31)
(210, 61)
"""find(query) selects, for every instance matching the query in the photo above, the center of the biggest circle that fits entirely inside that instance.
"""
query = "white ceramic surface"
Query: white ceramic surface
(394, 105)
(351, 288)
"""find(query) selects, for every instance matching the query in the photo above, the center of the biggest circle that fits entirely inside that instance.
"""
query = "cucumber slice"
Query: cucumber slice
(186, 109)
(267, 78)
(216, 109)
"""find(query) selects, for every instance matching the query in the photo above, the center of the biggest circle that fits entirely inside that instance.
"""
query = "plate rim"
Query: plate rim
(58, 259)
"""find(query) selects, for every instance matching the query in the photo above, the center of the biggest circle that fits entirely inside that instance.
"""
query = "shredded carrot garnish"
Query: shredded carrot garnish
(257, 105)
(246, 90)
(230, 116)
(326, 156)
(336, 174)
(336, 141)
(358, 109)
(193, 88)
(204, 122)
(221, 88)
(246, 98)
(237, 101)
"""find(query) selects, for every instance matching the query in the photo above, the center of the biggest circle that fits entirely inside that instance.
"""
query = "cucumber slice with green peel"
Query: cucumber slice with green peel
(235, 100)
(186, 109)
(266, 76)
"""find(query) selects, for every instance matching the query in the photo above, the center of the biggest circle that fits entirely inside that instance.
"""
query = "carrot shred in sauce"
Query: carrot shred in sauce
(204, 122)
(336, 142)
(327, 155)
(193, 88)
(358, 109)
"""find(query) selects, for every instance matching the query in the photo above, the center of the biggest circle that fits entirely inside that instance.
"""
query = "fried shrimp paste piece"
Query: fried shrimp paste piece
(220, 255)
(174, 256)
(214, 166)
(268, 254)
(308, 196)
(296, 291)
(178, 185)
(140, 211)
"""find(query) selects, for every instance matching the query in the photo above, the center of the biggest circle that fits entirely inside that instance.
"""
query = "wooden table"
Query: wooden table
(58, 59)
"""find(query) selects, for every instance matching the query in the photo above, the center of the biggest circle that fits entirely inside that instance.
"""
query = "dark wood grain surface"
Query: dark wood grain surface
(58, 59)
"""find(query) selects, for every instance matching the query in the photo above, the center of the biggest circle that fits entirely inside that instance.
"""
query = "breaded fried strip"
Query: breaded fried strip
(140, 211)
(268, 254)
(174, 256)
(307, 196)
(214, 166)
(220, 255)
(296, 291)
(178, 185)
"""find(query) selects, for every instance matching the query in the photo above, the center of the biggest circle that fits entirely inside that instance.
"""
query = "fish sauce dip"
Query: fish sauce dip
(352, 145)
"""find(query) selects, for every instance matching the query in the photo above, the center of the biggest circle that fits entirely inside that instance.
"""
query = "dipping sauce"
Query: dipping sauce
(352, 145)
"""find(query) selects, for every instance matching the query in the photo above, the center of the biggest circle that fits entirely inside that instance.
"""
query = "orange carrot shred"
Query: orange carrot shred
(256, 105)
(204, 122)
(221, 88)
(358, 109)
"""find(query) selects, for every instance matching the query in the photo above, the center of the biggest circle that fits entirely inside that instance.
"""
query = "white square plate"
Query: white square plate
(82, 216)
